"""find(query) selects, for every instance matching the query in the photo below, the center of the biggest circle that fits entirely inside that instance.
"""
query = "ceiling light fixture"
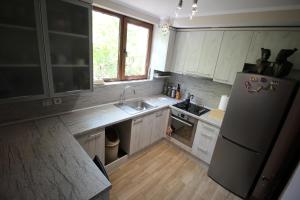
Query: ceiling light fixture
(195, 4)
(179, 7)
(194, 8)
(165, 26)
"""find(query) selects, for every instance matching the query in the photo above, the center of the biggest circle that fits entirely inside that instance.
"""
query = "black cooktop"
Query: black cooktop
(192, 108)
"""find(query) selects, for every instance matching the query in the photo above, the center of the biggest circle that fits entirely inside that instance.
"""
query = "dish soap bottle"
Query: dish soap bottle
(178, 95)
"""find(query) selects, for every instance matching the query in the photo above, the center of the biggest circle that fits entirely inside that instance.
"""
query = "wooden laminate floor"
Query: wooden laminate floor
(164, 171)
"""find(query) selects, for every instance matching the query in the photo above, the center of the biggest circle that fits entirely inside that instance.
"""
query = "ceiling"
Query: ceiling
(166, 8)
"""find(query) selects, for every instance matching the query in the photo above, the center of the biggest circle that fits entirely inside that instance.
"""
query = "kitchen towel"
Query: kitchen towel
(223, 102)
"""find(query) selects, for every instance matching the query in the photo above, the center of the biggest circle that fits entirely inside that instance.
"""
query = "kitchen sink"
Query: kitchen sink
(133, 107)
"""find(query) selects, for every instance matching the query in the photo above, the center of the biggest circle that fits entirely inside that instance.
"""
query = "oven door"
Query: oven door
(182, 130)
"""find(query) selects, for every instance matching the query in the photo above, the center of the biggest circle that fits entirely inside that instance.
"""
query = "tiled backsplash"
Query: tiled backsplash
(206, 91)
(101, 95)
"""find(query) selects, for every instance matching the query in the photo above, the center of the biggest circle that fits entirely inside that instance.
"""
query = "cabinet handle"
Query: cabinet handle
(95, 135)
(202, 150)
(186, 123)
(159, 114)
(207, 136)
(208, 128)
(137, 121)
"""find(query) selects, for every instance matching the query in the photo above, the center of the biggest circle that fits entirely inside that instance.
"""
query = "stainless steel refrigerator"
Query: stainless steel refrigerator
(256, 111)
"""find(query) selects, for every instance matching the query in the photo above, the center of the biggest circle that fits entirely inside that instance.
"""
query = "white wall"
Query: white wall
(122, 9)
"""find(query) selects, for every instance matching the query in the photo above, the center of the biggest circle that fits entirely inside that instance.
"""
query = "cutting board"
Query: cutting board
(216, 114)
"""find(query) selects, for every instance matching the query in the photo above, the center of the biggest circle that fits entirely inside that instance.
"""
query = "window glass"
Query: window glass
(106, 39)
(137, 48)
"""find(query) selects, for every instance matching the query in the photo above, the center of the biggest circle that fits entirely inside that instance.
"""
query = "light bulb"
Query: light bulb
(195, 4)
(179, 7)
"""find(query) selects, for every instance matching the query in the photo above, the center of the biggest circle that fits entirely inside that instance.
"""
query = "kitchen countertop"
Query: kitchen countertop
(41, 160)
(86, 120)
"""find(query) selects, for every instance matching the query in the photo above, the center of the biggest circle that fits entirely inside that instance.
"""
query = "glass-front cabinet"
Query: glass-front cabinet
(45, 48)
(68, 51)
(22, 68)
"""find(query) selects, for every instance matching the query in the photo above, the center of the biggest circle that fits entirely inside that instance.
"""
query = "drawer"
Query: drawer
(205, 141)
(208, 129)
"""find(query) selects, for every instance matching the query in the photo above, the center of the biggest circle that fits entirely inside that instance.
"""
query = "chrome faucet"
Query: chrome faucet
(122, 96)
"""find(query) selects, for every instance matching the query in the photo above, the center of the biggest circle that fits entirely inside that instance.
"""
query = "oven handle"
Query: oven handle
(184, 122)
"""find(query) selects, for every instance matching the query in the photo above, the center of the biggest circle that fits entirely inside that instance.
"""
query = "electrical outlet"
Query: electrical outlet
(57, 101)
(47, 103)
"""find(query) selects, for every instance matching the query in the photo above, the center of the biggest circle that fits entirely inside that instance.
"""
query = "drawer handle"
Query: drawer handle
(159, 114)
(208, 128)
(202, 150)
(137, 121)
(95, 135)
(207, 136)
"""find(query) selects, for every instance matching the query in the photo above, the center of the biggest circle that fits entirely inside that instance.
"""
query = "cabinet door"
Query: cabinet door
(145, 135)
(94, 144)
(209, 53)
(162, 49)
(100, 145)
(67, 30)
(205, 141)
(233, 53)
(275, 41)
(22, 67)
(88, 144)
(179, 56)
(193, 50)
(136, 130)
(159, 125)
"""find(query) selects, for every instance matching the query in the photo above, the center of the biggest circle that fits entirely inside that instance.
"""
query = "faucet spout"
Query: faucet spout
(122, 96)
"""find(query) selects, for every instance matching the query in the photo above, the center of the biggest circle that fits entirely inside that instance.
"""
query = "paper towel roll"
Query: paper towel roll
(223, 102)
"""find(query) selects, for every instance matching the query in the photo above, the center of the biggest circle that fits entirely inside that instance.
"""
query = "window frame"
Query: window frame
(124, 21)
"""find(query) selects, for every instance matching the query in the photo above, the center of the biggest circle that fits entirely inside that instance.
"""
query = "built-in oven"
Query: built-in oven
(183, 127)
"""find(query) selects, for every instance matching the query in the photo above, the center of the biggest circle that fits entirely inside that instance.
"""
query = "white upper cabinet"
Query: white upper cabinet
(275, 41)
(202, 52)
(194, 44)
(232, 56)
(162, 50)
(179, 54)
(209, 53)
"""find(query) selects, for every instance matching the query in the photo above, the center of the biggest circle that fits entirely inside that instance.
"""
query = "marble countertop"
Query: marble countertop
(208, 119)
(81, 122)
(41, 160)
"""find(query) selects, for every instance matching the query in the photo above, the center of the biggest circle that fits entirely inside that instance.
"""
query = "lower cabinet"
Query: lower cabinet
(160, 124)
(94, 144)
(205, 141)
(148, 129)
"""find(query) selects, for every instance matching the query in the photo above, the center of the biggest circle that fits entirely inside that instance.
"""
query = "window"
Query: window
(121, 46)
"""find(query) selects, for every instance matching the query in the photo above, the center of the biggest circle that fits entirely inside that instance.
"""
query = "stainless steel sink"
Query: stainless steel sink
(133, 107)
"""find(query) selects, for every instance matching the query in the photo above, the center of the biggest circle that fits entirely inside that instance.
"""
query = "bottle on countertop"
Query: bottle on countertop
(178, 94)
(169, 93)
(165, 88)
(173, 93)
